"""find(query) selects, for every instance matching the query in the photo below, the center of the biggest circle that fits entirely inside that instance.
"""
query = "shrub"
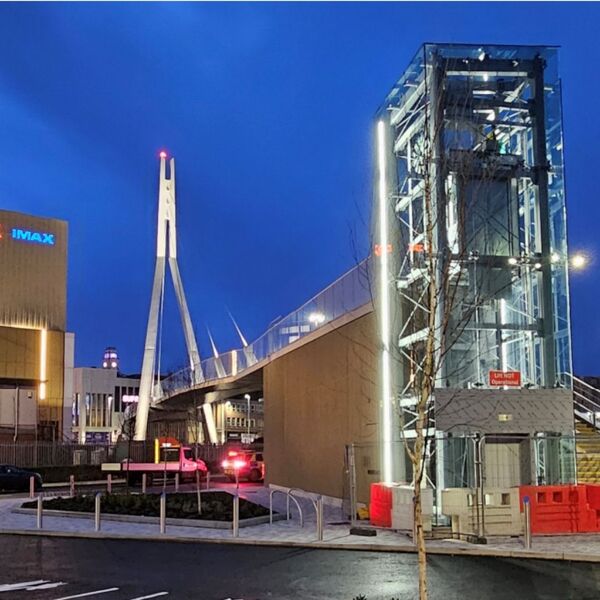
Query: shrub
(216, 506)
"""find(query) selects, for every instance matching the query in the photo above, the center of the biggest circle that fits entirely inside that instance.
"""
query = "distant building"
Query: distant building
(100, 399)
(111, 358)
(36, 353)
(238, 419)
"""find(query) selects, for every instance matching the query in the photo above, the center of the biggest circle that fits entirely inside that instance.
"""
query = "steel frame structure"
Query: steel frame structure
(488, 121)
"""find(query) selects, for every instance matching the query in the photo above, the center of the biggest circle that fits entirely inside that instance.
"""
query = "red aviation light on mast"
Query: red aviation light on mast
(162, 154)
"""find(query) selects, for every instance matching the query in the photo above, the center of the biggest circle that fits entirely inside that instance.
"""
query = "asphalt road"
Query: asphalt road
(59, 569)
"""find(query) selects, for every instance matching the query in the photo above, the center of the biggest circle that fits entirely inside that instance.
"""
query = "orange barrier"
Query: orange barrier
(380, 506)
(562, 508)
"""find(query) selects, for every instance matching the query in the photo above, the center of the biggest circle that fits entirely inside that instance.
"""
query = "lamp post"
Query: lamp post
(247, 397)
(578, 261)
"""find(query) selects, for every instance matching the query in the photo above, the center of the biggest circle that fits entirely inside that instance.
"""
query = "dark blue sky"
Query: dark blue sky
(268, 110)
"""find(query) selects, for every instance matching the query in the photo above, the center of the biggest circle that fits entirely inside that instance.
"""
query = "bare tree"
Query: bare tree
(127, 432)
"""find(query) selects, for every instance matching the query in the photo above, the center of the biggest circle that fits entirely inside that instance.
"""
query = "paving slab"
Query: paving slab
(337, 535)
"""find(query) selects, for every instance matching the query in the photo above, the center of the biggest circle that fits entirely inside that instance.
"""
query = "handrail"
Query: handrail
(353, 295)
(585, 406)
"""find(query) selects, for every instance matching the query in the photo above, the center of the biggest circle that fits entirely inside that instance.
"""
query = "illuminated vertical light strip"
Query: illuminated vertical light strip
(384, 298)
(43, 361)
(503, 347)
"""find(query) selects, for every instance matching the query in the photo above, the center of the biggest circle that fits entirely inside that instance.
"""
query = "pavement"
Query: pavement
(49, 568)
(583, 547)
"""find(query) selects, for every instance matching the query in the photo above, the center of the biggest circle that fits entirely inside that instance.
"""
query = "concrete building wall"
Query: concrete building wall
(505, 411)
(319, 398)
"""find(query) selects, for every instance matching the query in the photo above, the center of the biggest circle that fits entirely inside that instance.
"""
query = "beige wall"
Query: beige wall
(20, 361)
(34, 276)
(318, 398)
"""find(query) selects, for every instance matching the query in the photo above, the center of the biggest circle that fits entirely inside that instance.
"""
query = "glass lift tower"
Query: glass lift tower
(488, 120)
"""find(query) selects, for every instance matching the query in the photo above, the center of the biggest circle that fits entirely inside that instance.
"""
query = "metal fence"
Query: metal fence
(478, 462)
(59, 454)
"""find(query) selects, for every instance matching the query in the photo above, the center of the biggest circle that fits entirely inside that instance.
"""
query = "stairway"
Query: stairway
(587, 450)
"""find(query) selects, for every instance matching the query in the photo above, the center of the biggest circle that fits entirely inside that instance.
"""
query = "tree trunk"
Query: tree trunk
(420, 541)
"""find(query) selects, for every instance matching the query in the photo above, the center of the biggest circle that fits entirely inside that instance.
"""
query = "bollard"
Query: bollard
(97, 501)
(32, 487)
(40, 509)
(527, 514)
(207, 480)
(109, 484)
(198, 492)
(163, 512)
(176, 482)
(320, 518)
(144, 482)
(71, 485)
(236, 516)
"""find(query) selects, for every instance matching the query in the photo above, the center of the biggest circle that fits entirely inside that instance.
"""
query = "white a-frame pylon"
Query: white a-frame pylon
(166, 247)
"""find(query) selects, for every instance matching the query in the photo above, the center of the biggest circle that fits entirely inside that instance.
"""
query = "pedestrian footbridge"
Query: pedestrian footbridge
(240, 371)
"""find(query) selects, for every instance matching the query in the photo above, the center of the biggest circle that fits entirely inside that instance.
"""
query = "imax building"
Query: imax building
(36, 352)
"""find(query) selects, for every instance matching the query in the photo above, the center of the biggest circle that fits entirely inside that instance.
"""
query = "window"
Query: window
(117, 399)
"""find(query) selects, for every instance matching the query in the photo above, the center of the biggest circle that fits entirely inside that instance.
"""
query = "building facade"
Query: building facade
(101, 396)
(240, 419)
(36, 352)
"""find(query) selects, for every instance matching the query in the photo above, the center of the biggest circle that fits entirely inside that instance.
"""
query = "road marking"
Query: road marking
(113, 589)
(46, 586)
(9, 587)
(151, 596)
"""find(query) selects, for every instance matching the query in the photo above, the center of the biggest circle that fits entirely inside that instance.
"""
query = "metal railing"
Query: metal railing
(349, 292)
(31, 454)
(586, 400)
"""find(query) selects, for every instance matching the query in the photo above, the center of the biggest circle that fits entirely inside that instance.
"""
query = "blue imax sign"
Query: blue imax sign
(35, 237)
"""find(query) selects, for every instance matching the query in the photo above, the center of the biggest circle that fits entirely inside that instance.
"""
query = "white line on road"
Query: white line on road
(113, 589)
(10, 587)
(46, 586)
(151, 596)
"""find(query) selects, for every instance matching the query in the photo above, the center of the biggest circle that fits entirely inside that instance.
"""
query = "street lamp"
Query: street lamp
(578, 261)
(316, 318)
(247, 397)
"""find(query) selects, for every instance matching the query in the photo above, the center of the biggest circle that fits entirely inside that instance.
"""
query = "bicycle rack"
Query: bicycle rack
(317, 505)
(288, 496)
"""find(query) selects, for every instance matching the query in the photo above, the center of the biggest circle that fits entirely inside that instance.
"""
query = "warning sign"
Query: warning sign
(505, 378)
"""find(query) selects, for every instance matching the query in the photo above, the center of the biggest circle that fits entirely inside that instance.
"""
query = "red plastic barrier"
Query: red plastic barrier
(590, 520)
(380, 506)
(382, 493)
(562, 508)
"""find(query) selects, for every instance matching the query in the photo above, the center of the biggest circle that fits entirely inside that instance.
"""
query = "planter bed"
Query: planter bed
(217, 509)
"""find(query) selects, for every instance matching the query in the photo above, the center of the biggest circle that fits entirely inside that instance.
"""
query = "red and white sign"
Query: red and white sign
(505, 378)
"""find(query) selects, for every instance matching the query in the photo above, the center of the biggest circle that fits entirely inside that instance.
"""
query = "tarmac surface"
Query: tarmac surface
(42, 568)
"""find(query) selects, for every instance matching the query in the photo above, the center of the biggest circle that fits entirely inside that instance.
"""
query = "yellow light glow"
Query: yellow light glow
(579, 261)
(384, 298)
(43, 362)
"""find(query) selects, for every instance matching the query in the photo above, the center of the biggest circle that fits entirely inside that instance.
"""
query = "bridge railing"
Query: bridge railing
(351, 291)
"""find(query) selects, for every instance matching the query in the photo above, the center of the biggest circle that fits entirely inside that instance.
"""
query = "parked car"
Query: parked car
(248, 464)
(14, 479)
